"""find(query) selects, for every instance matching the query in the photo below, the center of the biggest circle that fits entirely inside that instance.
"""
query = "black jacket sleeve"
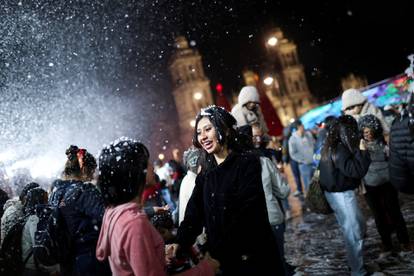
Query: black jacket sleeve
(354, 165)
(193, 222)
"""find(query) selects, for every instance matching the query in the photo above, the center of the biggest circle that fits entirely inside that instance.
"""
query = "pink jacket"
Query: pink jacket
(133, 245)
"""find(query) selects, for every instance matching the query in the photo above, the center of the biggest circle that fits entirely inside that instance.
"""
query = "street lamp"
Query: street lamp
(268, 81)
(272, 41)
(161, 156)
(198, 96)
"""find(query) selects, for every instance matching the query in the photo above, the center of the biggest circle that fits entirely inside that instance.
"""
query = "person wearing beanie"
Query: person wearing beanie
(247, 110)
(356, 105)
(13, 210)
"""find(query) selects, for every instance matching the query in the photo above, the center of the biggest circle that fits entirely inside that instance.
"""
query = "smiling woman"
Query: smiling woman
(228, 200)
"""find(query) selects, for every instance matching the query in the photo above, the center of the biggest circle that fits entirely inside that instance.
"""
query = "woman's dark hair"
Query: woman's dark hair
(80, 162)
(226, 133)
(345, 131)
(372, 122)
(34, 197)
(122, 171)
(223, 122)
(329, 121)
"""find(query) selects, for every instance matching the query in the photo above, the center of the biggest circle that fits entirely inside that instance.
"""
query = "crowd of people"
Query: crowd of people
(224, 211)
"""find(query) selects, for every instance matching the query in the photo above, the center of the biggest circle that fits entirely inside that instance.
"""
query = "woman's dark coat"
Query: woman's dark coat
(343, 170)
(229, 201)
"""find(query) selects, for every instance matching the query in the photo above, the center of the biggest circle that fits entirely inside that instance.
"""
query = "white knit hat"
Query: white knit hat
(248, 94)
(351, 97)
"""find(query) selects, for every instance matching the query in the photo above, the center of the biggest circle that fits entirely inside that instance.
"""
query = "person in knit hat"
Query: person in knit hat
(247, 110)
(356, 105)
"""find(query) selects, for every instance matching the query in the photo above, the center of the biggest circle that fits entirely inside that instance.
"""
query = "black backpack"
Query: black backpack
(52, 242)
(11, 262)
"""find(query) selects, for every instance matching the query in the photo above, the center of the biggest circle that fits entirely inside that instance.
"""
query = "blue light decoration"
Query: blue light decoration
(387, 92)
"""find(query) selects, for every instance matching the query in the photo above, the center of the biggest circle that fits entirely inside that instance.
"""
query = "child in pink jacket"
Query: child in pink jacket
(127, 238)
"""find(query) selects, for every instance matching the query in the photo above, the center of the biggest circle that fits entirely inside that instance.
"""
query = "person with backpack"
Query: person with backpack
(81, 207)
(13, 210)
(127, 239)
(35, 200)
(11, 261)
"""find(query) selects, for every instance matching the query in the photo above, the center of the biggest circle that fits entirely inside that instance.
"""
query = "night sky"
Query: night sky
(67, 64)
(334, 38)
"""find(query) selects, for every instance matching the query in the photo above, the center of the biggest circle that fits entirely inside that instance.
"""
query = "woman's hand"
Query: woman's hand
(362, 145)
(171, 252)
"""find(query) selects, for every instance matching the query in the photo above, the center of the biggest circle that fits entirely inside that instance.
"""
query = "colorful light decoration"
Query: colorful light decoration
(387, 92)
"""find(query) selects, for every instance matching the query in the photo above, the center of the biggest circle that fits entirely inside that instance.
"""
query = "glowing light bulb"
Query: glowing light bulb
(272, 41)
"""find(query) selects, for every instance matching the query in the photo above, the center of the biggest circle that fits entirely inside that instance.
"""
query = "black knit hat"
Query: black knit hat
(372, 122)
(26, 189)
(122, 170)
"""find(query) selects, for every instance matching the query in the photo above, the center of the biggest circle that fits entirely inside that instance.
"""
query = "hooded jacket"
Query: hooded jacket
(133, 246)
(245, 116)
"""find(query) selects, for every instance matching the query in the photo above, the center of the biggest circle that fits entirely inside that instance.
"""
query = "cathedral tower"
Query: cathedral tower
(353, 81)
(292, 95)
(191, 88)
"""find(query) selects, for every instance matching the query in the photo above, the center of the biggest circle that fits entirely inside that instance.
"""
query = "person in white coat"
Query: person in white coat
(190, 160)
(247, 111)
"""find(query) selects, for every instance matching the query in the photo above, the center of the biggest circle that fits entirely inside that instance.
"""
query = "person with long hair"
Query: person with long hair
(81, 207)
(229, 201)
(132, 245)
(344, 162)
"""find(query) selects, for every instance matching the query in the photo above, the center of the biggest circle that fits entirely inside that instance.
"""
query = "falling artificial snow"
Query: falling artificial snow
(58, 74)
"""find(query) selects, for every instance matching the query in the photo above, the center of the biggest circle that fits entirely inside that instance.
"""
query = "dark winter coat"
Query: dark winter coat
(58, 190)
(82, 208)
(229, 201)
(401, 162)
(343, 170)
